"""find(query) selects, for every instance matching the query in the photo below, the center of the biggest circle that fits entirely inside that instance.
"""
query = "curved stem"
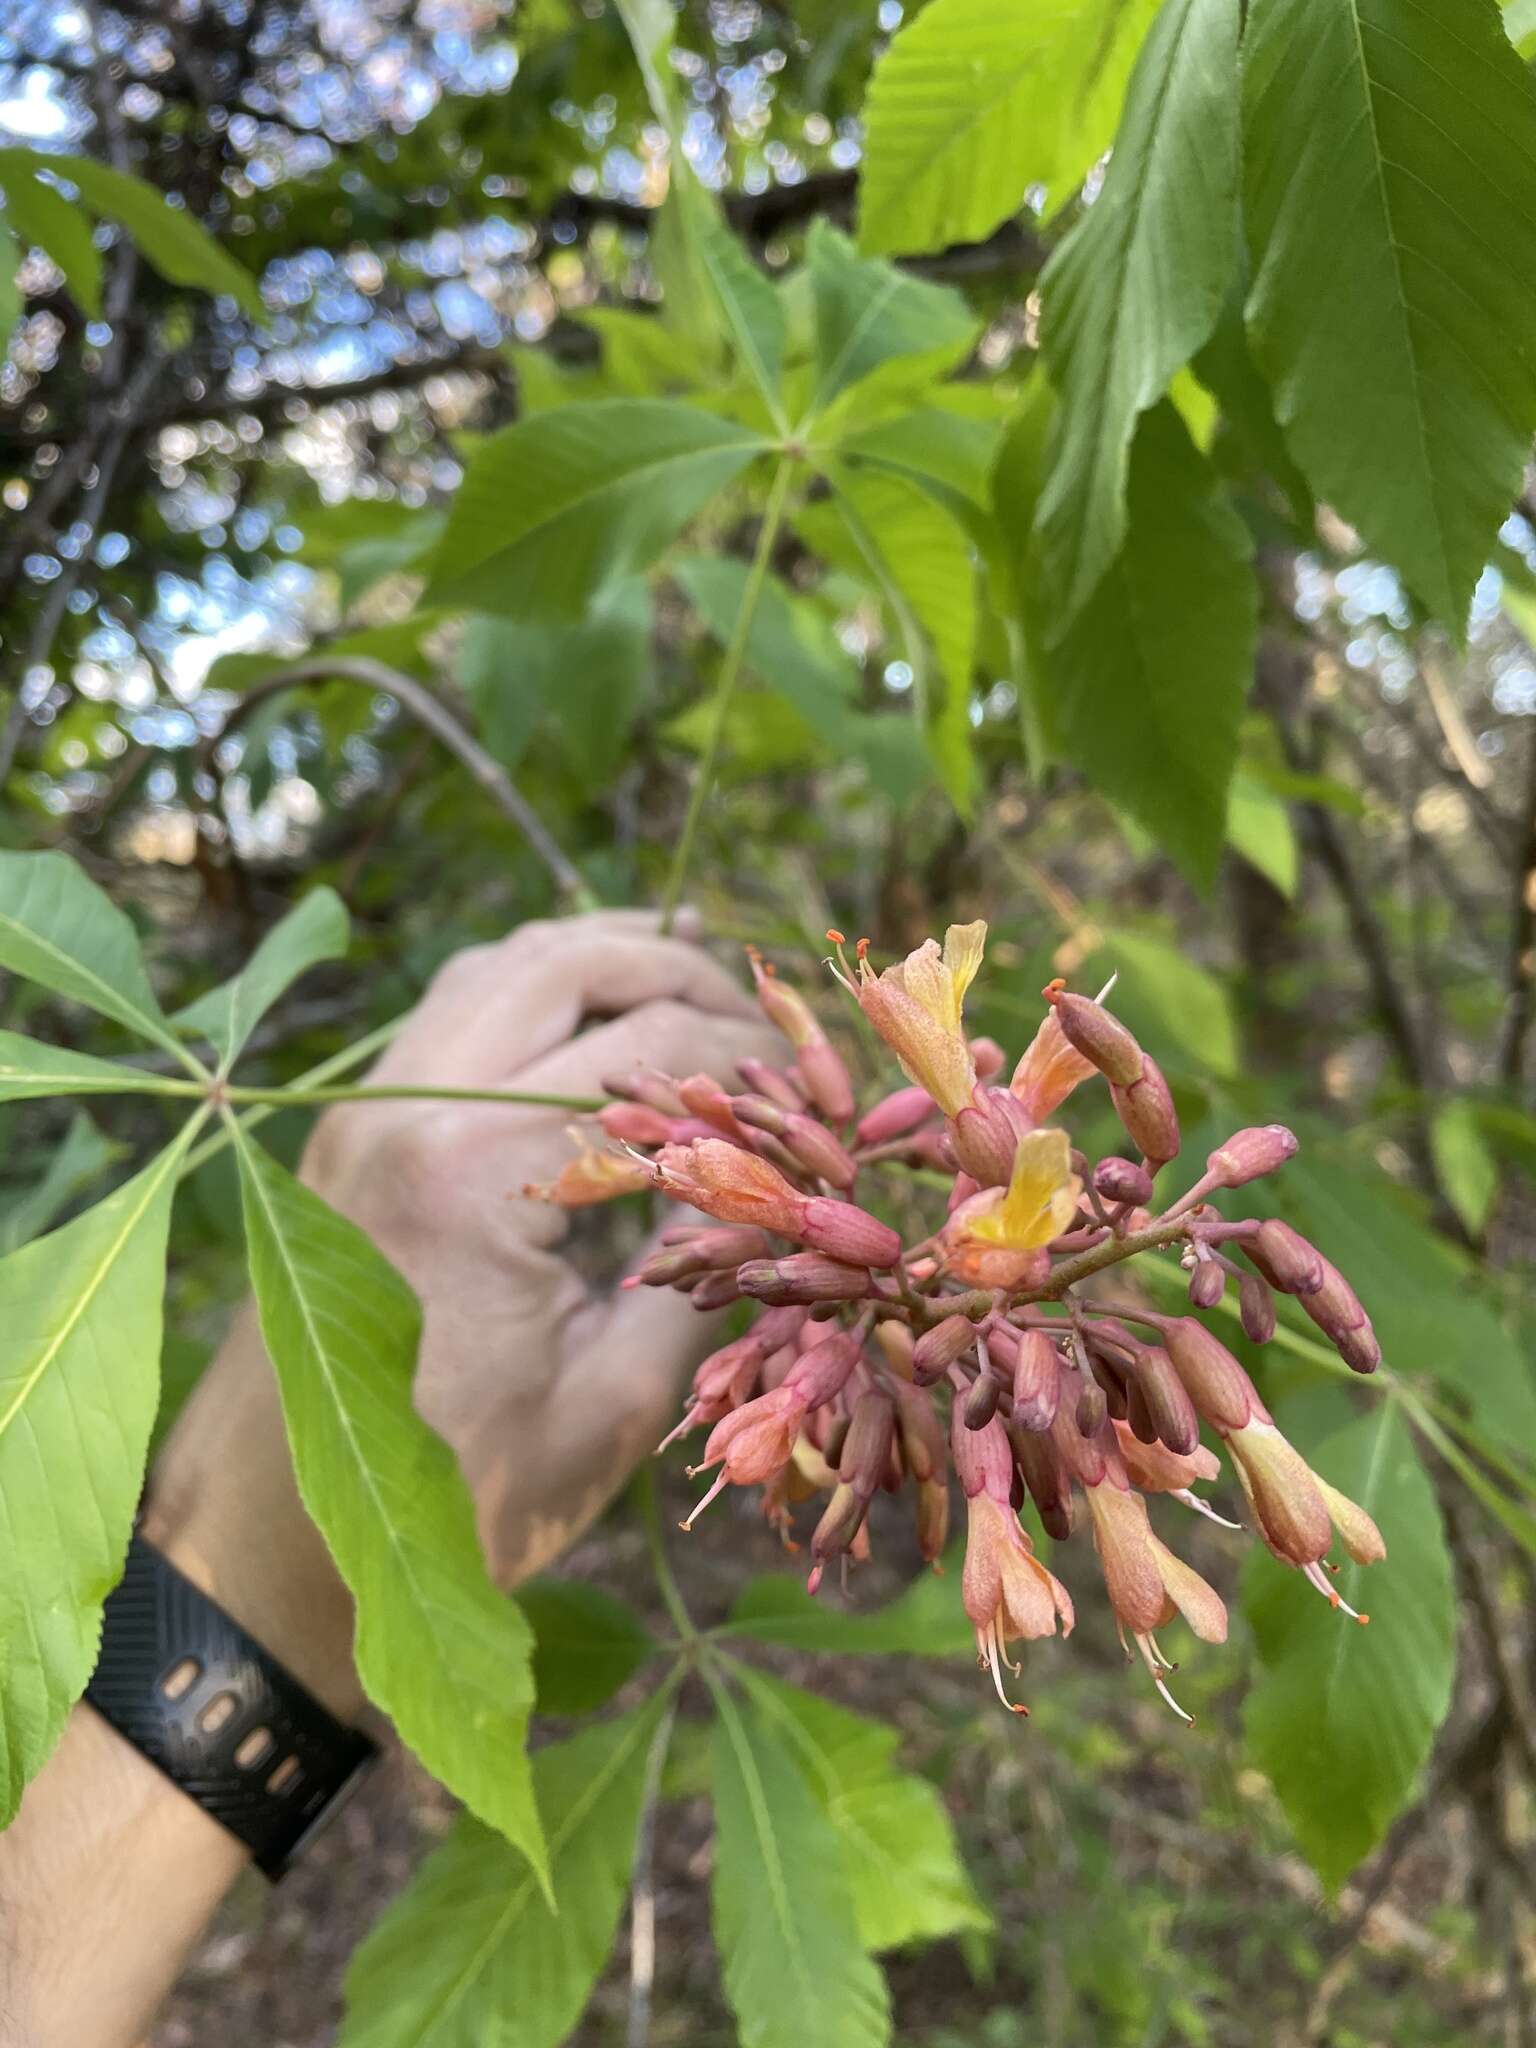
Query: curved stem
(730, 668)
(299, 1096)
(1110, 1253)
(431, 712)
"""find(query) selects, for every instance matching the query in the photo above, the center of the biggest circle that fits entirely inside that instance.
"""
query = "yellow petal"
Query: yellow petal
(963, 947)
(1041, 1197)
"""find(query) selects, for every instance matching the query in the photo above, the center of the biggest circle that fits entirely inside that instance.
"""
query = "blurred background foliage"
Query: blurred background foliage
(448, 216)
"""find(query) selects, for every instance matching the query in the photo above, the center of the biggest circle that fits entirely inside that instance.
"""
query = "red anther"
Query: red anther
(837, 938)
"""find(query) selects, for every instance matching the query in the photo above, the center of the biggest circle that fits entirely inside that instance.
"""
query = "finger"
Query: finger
(668, 1035)
(494, 1009)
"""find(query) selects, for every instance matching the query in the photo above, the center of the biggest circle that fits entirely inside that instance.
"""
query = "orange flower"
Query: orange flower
(1049, 1070)
(917, 1008)
(1146, 1583)
(593, 1176)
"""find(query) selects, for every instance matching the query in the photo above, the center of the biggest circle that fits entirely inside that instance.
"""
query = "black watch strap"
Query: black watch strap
(185, 1684)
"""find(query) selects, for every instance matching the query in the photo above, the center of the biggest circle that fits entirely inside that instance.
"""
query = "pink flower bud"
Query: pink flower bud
(1285, 1258)
(714, 1290)
(823, 1371)
(938, 1349)
(934, 1148)
(1220, 1389)
(866, 1453)
(784, 1007)
(1336, 1309)
(980, 1404)
(834, 1533)
(1207, 1284)
(644, 1086)
(986, 1135)
(1256, 1307)
(1092, 1409)
(759, 1113)
(1147, 1112)
(1098, 1036)
(1165, 1405)
(802, 1277)
(814, 1149)
(988, 1058)
(1250, 1154)
(765, 1080)
(825, 1079)
(919, 1432)
(704, 1098)
(847, 1233)
(1046, 1479)
(894, 1116)
(731, 1184)
(983, 1457)
(1036, 1382)
(775, 1328)
(635, 1123)
(1122, 1180)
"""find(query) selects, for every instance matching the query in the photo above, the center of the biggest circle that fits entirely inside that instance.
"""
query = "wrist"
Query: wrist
(224, 1507)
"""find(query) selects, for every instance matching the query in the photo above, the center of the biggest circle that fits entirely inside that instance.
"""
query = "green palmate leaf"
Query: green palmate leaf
(555, 508)
(1397, 342)
(921, 558)
(168, 237)
(792, 649)
(79, 1159)
(79, 1379)
(59, 929)
(438, 1648)
(1343, 1717)
(975, 102)
(316, 929)
(865, 312)
(1468, 1171)
(30, 1068)
(926, 1620)
(899, 1849)
(1520, 25)
(586, 1643)
(1149, 681)
(589, 680)
(795, 1967)
(471, 1955)
(1138, 284)
(40, 214)
(1259, 827)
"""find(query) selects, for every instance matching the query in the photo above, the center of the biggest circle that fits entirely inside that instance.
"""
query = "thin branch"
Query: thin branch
(642, 1889)
(431, 712)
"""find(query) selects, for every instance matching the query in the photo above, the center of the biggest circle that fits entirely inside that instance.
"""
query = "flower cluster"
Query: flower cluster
(862, 1341)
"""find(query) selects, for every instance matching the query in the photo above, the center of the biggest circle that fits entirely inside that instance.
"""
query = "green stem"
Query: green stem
(339, 1063)
(661, 1564)
(730, 668)
(300, 1096)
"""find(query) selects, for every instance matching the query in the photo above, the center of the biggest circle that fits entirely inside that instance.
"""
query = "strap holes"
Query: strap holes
(286, 1777)
(180, 1679)
(218, 1713)
(254, 1749)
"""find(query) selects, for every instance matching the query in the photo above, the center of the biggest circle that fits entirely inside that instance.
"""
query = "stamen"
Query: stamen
(1314, 1577)
(1203, 1507)
(681, 1429)
(721, 1482)
(1108, 986)
(1157, 1664)
(1013, 1706)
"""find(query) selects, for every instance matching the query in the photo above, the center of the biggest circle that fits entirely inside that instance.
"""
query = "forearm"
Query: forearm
(110, 1873)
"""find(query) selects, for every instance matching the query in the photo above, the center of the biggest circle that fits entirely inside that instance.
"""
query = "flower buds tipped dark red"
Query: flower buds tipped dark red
(802, 1277)
(939, 1348)
(1336, 1310)
(1123, 1180)
(1091, 1030)
(1256, 1308)
(1285, 1258)
(1147, 1112)
(1207, 1284)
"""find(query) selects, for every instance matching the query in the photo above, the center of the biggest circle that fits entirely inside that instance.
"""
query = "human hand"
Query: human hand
(548, 1390)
